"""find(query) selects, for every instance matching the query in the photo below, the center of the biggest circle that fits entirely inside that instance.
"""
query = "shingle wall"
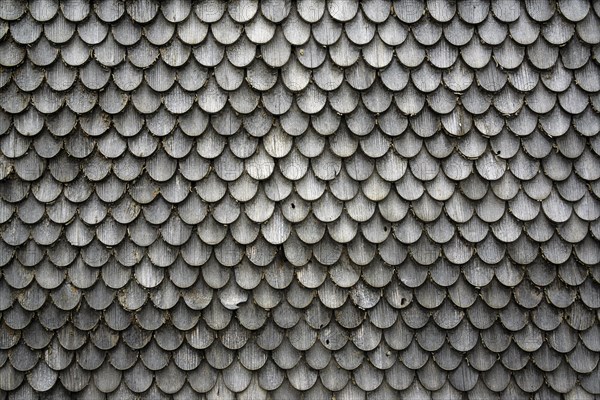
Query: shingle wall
(299, 199)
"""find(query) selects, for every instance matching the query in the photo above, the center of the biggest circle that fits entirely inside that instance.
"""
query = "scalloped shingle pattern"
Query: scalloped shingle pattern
(277, 199)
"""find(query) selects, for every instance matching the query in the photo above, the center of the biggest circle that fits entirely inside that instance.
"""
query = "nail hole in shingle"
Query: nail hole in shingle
(293, 205)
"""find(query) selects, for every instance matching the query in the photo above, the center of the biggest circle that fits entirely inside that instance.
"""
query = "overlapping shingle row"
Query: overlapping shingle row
(276, 199)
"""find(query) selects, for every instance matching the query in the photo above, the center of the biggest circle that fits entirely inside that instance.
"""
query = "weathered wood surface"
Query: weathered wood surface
(276, 199)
